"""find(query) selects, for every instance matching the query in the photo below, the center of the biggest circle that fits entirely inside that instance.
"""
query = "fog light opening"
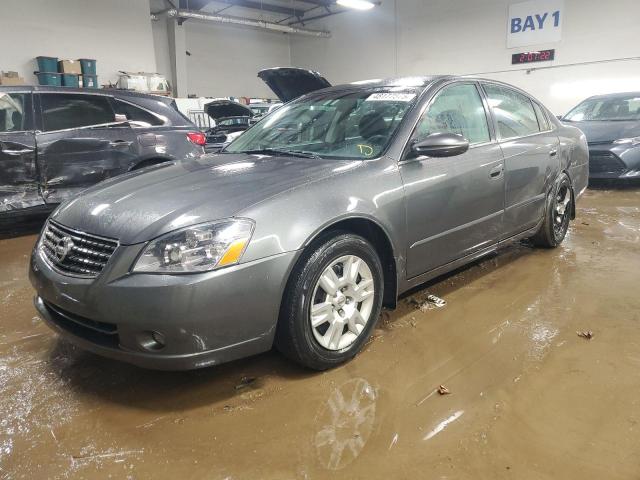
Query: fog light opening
(151, 340)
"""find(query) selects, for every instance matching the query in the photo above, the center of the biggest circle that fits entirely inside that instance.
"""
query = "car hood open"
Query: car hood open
(219, 109)
(142, 205)
(290, 83)
(603, 131)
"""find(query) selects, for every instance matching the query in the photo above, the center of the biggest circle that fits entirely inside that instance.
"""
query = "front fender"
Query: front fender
(289, 221)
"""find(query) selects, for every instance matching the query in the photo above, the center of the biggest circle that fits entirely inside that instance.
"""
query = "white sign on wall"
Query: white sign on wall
(535, 22)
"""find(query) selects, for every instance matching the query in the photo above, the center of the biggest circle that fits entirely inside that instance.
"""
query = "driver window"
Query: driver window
(456, 109)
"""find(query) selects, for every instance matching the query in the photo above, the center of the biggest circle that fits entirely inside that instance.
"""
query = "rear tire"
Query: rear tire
(332, 302)
(557, 215)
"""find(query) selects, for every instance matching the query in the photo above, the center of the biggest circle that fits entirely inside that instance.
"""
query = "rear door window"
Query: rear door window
(138, 116)
(61, 111)
(513, 112)
(15, 112)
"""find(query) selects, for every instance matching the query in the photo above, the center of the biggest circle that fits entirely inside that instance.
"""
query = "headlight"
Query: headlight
(628, 141)
(198, 248)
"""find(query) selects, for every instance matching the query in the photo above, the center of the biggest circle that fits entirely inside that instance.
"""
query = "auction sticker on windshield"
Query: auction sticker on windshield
(390, 97)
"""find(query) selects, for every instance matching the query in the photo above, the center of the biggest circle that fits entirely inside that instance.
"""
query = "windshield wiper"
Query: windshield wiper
(277, 151)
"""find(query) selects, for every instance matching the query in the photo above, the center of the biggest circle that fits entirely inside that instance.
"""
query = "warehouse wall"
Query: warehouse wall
(224, 59)
(117, 33)
(414, 37)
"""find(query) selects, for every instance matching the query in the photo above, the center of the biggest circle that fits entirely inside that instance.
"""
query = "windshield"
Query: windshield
(617, 108)
(341, 125)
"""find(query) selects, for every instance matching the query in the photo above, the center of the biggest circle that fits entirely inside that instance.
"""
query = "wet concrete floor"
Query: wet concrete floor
(530, 399)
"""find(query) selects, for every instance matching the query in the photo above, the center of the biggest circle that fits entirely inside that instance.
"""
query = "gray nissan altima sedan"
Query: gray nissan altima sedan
(308, 224)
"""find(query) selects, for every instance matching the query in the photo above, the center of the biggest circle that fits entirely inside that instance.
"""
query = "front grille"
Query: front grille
(75, 253)
(605, 162)
(98, 332)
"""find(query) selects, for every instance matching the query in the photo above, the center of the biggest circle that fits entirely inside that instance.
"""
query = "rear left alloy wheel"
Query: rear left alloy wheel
(332, 302)
(557, 216)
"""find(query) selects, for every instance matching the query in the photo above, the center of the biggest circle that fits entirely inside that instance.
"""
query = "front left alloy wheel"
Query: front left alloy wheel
(332, 302)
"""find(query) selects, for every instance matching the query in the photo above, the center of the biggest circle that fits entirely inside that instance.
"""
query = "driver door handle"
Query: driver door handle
(496, 171)
(553, 153)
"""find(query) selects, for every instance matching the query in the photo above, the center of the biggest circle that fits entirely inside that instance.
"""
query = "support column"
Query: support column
(177, 55)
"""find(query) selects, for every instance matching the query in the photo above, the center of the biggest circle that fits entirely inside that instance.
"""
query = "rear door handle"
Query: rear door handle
(496, 171)
(119, 143)
(553, 153)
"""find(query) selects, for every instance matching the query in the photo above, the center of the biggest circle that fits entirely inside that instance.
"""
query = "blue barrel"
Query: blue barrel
(70, 80)
(47, 64)
(50, 79)
(88, 66)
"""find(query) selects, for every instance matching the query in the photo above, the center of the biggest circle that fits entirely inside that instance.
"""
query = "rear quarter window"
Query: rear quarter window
(137, 115)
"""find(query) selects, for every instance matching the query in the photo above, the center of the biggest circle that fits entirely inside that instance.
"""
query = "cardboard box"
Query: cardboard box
(70, 66)
(11, 78)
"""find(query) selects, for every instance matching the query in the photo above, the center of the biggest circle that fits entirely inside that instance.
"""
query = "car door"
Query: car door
(18, 170)
(530, 149)
(80, 143)
(454, 204)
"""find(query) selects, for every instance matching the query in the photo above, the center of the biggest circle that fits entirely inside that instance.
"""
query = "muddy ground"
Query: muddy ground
(530, 399)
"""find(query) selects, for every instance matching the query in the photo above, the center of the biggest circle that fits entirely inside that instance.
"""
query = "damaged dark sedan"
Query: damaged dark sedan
(55, 142)
(306, 225)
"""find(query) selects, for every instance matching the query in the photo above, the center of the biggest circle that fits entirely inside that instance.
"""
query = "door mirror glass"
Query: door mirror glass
(440, 145)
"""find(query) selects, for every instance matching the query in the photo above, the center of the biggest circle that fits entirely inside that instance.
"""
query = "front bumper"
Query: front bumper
(204, 319)
(611, 161)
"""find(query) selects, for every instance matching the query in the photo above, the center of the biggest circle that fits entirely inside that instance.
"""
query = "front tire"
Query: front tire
(332, 302)
(557, 215)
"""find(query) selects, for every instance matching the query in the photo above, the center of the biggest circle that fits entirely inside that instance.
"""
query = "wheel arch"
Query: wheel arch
(573, 194)
(373, 232)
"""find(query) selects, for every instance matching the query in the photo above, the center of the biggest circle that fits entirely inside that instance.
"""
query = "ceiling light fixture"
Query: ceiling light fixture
(356, 4)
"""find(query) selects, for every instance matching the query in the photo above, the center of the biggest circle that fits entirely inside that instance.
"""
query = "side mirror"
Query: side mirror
(121, 118)
(441, 145)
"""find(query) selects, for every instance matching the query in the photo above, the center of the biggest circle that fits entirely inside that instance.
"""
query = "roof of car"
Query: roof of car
(105, 91)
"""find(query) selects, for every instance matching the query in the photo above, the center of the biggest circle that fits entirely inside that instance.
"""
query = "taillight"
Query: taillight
(198, 138)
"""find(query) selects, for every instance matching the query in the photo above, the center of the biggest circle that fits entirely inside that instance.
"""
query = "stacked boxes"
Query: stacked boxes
(89, 73)
(48, 71)
(68, 73)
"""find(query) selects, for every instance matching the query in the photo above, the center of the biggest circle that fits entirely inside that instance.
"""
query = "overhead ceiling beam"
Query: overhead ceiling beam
(320, 3)
(193, 4)
(248, 22)
(316, 17)
(267, 7)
